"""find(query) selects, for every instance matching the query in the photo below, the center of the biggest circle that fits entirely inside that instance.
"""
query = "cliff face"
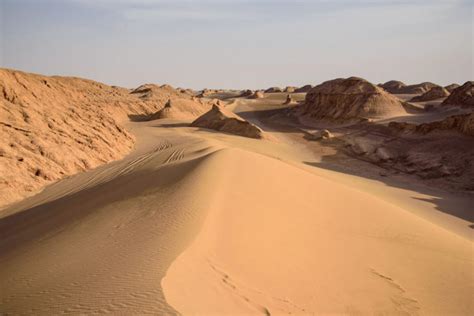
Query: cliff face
(52, 127)
(350, 98)
(463, 96)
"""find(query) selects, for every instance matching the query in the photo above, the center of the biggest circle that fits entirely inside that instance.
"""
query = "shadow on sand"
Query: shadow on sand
(460, 205)
(139, 117)
(174, 125)
(457, 205)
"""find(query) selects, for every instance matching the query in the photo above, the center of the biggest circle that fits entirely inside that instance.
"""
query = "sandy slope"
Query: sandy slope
(101, 241)
(281, 240)
(238, 226)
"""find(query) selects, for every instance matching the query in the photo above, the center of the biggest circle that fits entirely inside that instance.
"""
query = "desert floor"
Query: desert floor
(205, 223)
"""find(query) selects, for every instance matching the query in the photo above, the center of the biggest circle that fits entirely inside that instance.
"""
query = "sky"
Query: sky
(239, 43)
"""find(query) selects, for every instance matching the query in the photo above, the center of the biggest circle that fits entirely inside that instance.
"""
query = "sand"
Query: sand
(197, 222)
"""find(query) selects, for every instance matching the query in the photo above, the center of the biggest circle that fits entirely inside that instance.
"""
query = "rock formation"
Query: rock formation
(206, 93)
(273, 90)
(304, 89)
(219, 119)
(463, 123)
(322, 134)
(179, 110)
(246, 94)
(289, 89)
(432, 94)
(53, 127)
(257, 95)
(393, 86)
(451, 87)
(352, 98)
(398, 87)
(462, 96)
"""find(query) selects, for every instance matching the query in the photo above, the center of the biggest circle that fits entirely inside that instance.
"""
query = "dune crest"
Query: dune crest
(272, 253)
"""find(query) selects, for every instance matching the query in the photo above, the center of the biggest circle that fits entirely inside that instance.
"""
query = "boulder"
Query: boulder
(393, 86)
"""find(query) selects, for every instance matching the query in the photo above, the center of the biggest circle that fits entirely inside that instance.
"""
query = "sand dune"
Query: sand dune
(306, 251)
(104, 245)
(103, 240)
(199, 222)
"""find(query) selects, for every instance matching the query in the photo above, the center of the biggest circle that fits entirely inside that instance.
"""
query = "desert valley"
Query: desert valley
(337, 197)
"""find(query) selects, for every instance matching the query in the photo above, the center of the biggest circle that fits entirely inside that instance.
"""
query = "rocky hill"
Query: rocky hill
(462, 96)
(351, 98)
(52, 127)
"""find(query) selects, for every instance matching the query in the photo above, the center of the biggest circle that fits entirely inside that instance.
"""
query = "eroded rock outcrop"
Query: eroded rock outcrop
(220, 119)
(352, 98)
(393, 86)
(206, 93)
(53, 127)
(462, 96)
(257, 95)
(273, 90)
(304, 89)
(180, 109)
(433, 94)
(463, 123)
(398, 87)
(319, 135)
(451, 87)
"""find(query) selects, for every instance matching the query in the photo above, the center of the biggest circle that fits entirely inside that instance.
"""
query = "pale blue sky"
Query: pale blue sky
(239, 43)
